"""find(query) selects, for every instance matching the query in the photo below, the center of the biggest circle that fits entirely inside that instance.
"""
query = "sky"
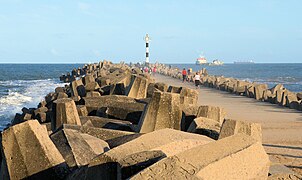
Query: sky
(69, 31)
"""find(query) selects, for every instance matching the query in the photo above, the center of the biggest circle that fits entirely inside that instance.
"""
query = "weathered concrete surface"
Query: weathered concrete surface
(138, 87)
(65, 113)
(245, 159)
(241, 87)
(61, 95)
(101, 133)
(93, 94)
(136, 162)
(100, 122)
(88, 79)
(117, 89)
(117, 106)
(77, 150)
(92, 86)
(122, 139)
(175, 147)
(259, 90)
(109, 162)
(174, 89)
(82, 110)
(156, 87)
(29, 153)
(190, 112)
(78, 89)
(212, 112)
(163, 111)
(231, 127)
(205, 126)
(188, 96)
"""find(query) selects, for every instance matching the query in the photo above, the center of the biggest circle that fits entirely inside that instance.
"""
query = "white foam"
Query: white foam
(24, 94)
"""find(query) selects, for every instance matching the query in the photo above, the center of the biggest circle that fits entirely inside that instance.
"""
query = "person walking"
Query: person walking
(184, 75)
(197, 80)
(189, 75)
(154, 70)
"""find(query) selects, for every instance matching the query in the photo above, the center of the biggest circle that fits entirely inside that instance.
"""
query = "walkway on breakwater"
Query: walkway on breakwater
(281, 127)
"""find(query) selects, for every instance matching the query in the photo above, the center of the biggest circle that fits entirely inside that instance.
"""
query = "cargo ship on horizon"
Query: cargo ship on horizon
(201, 60)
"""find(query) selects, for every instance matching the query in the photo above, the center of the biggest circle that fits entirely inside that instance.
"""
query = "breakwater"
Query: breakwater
(277, 94)
(288, 74)
(114, 122)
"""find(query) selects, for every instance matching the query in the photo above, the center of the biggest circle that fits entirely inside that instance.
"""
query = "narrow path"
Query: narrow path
(281, 127)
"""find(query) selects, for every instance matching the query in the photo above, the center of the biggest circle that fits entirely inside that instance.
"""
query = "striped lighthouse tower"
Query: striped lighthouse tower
(147, 48)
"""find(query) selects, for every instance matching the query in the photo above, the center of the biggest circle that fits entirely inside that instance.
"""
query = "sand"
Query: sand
(281, 127)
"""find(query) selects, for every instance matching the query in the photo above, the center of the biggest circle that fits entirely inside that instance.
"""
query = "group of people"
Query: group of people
(149, 70)
(186, 74)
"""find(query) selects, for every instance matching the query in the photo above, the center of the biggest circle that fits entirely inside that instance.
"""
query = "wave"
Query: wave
(23, 93)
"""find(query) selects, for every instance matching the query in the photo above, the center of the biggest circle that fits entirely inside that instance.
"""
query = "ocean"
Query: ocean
(288, 74)
(25, 85)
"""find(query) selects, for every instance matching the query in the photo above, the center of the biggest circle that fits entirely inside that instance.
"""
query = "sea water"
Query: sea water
(288, 74)
(25, 85)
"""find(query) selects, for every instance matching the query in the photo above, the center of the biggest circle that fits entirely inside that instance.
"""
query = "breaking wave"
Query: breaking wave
(16, 94)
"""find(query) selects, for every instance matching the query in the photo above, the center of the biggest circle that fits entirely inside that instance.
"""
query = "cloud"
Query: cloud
(54, 52)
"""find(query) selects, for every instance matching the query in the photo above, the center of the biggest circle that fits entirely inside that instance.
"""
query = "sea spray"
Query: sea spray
(22, 93)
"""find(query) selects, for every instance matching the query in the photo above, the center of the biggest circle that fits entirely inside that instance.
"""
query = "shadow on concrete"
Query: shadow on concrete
(287, 155)
(296, 167)
(282, 146)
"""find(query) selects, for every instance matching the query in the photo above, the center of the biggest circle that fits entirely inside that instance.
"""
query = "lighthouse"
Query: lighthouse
(147, 39)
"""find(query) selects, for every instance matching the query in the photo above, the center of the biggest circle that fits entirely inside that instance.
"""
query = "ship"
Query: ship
(201, 60)
(244, 62)
(216, 62)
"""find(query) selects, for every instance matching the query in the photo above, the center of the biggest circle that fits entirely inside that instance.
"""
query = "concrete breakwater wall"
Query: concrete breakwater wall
(117, 123)
(276, 95)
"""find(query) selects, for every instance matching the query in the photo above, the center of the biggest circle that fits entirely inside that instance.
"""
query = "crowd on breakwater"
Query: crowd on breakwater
(113, 121)
(276, 95)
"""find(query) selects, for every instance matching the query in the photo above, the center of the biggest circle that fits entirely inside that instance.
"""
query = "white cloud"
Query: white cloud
(54, 52)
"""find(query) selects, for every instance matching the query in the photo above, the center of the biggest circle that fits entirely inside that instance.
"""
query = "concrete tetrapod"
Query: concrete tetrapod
(29, 153)
(245, 158)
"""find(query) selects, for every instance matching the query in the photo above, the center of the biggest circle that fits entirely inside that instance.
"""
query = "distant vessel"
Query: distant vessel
(244, 62)
(216, 62)
(201, 60)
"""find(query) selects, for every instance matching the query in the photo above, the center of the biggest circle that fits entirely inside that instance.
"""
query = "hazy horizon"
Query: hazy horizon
(88, 31)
